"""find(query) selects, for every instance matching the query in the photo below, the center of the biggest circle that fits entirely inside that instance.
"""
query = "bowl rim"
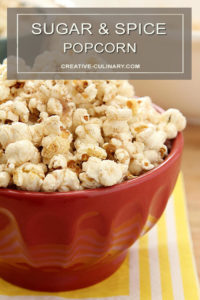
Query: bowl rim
(176, 150)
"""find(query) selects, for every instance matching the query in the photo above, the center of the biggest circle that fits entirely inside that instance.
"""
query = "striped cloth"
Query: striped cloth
(160, 266)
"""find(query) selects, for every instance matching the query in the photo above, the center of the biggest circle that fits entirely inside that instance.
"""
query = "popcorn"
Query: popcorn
(70, 182)
(113, 128)
(37, 134)
(8, 113)
(65, 135)
(4, 179)
(175, 117)
(52, 181)
(4, 92)
(15, 132)
(122, 114)
(80, 117)
(90, 150)
(61, 180)
(36, 105)
(115, 142)
(29, 176)
(172, 121)
(58, 162)
(139, 164)
(54, 107)
(104, 172)
(52, 125)
(122, 156)
(22, 151)
(2, 157)
(87, 182)
(66, 117)
(21, 110)
(90, 92)
(88, 134)
(170, 130)
(55, 144)
(154, 156)
(109, 89)
(116, 122)
(151, 138)
(48, 126)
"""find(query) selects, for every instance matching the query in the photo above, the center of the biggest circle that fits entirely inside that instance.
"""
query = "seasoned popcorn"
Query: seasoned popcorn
(4, 179)
(90, 150)
(29, 176)
(172, 121)
(58, 162)
(13, 132)
(55, 144)
(22, 151)
(104, 172)
(62, 180)
(65, 135)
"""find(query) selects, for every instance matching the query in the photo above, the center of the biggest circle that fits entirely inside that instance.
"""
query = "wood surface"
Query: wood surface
(191, 173)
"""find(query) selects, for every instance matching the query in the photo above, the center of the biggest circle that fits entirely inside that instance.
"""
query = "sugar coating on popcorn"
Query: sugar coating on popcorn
(65, 135)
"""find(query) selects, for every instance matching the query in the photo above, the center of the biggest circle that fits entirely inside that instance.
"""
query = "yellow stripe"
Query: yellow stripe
(165, 272)
(114, 286)
(145, 282)
(189, 277)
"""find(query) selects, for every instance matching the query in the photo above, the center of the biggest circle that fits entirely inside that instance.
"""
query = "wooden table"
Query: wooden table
(191, 172)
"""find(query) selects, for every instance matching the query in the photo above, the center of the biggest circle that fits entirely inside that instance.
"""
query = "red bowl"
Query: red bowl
(64, 241)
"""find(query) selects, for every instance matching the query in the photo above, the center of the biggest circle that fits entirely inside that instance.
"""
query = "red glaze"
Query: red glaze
(64, 241)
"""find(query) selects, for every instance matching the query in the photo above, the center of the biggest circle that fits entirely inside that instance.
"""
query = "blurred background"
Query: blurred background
(181, 94)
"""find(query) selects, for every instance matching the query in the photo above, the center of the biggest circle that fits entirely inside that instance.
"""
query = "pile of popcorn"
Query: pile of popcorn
(63, 135)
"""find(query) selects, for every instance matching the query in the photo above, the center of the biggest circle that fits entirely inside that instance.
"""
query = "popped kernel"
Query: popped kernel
(4, 179)
(54, 107)
(13, 132)
(104, 172)
(90, 150)
(122, 156)
(29, 176)
(61, 180)
(55, 144)
(22, 151)
(58, 161)
(87, 182)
